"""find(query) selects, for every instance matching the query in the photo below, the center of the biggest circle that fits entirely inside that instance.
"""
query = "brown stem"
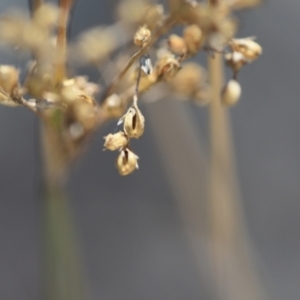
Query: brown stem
(60, 70)
(157, 34)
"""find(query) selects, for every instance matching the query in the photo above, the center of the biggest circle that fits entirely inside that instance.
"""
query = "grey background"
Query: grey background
(131, 235)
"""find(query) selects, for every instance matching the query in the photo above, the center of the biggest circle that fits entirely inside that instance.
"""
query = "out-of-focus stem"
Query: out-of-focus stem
(60, 70)
(63, 274)
(232, 259)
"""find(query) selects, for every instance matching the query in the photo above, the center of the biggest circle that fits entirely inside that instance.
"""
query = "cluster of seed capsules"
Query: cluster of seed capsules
(133, 127)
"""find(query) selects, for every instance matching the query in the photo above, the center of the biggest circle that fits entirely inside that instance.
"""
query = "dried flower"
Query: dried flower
(231, 93)
(127, 162)
(177, 45)
(142, 36)
(9, 78)
(194, 38)
(167, 67)
(189, 80)
(235, 60)
(134, 122)
(116, 141)
(247, 47)
(114, 106)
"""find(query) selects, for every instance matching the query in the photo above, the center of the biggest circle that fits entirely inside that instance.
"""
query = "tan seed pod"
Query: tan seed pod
(177, 45)
(142, 36)
(231, 93)
(134, 122)
(194, 38)
(249, 48)
(116, 141)
(127, 162)
(167, 67)
(9, 78)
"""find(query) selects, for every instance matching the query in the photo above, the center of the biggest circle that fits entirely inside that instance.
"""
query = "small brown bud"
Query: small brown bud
(177, 45)
(115, 141)
(142, 36)
(249, 48)
(231, 93)
(134, 122)
(127, 162)
(9, 77)
(194, 38)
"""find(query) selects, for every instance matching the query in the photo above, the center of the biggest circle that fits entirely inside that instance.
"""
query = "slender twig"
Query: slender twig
(157, 34)
(60, 70)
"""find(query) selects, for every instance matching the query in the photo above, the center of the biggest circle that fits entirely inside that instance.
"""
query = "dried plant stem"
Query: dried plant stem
(233, 265)
(157, 34)
(60, 70)
(63, 273)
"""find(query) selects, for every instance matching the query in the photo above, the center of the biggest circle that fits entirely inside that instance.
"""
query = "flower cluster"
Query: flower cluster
(133, 127)
(70, 105)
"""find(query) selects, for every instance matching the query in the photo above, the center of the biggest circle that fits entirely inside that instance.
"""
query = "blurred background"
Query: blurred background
(134, 243)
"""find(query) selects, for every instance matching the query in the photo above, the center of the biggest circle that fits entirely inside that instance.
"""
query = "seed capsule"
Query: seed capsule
(127, 162)
(9, 77)
(115, 141)
(235, 60)
(231, 93)
(142, 36)
(194, 38)
(167, 67)
(134, 122)
(177, 45)
(249, 48)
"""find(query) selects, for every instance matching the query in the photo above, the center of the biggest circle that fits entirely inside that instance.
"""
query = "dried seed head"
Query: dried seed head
(134, 122)
(177, 45)
(94, 45)
(140, 12)
(194, 38)
(189, 80)
(9, 78)
(75, 89)
(132, 11)
(142, 36)
(167, 67)
(231, 93)
(153, 16)
(249, 48)
(114, 106)
(235, 60)
(5, 99)
(116, 141)
(46, 15)
(127, 162)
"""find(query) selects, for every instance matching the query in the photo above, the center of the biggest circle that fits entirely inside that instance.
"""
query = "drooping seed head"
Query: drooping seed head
(142, 36)
(134, 122)
(116, 141)
(127, 162)
(231, 93)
